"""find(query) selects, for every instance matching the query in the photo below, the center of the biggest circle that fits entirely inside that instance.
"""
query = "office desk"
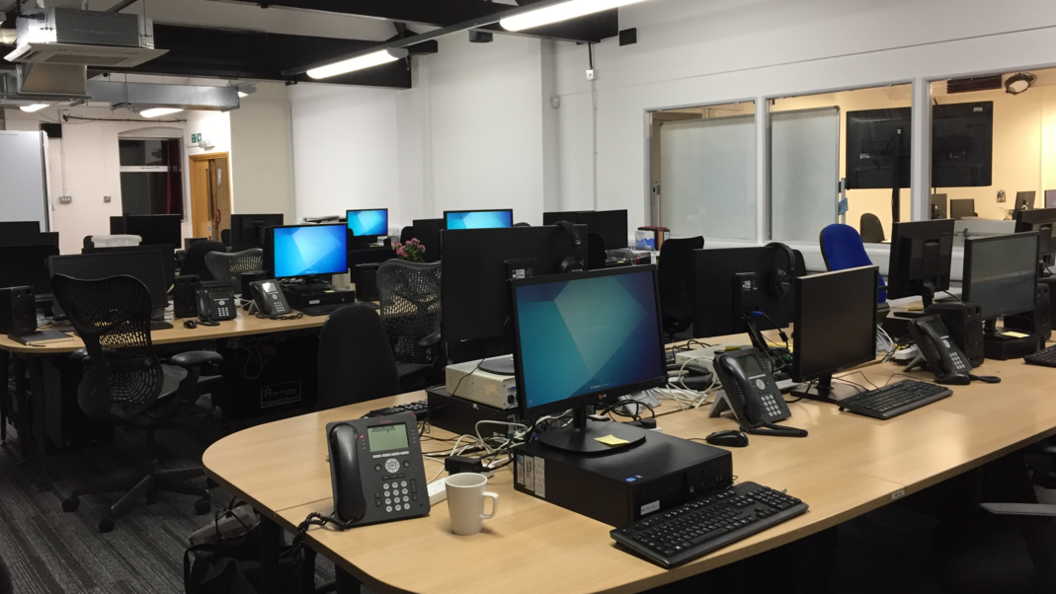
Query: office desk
(848, 466)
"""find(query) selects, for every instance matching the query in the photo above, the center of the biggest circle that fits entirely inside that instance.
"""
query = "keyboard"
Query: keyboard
(894, 399)
(321, 310)
(699, 527)
(419, 408)
(1044, 357)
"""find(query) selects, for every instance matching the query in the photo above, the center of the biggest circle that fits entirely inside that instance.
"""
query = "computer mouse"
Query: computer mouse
(190, 324)
(730, 439)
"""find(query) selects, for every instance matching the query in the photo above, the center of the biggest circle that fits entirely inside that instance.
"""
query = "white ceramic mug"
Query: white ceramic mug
(465, 502)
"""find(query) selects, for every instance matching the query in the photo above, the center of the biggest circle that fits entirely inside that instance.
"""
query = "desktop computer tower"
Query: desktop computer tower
(965, 323)
(1037, 322)
(184, 304)
(18, 311)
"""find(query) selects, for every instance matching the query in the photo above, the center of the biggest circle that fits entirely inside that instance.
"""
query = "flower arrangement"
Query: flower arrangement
(412, 250)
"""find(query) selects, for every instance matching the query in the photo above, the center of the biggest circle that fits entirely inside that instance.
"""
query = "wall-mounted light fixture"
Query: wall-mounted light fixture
(1017, 83)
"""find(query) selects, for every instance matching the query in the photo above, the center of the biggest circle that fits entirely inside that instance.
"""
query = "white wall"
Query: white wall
(261, 161)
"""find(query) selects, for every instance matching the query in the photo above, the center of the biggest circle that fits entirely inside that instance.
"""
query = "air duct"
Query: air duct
(140, 96)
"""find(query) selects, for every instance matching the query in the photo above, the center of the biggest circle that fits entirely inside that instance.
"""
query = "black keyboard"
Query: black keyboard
(1044, 357)
(321, 310)
(894, 399)
(699, 527)
(160, 325)
(419, 408)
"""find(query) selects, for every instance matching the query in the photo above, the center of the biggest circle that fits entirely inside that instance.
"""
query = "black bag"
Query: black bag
(232, 566)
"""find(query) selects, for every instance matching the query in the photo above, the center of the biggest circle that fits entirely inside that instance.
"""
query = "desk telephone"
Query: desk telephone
(216, 302)
(752, 394)
(942, 355)
(269, 299)
(377, 470)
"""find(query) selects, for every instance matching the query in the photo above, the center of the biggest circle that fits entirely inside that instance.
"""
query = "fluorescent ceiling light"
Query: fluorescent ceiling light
(34, 107)
(243, 94)
(358, 63)
(159, 111)
(560, 12)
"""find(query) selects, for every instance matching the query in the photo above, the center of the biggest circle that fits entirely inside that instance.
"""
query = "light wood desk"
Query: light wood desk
(848, 466)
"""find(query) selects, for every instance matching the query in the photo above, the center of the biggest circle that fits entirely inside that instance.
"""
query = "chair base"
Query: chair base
(147, 484)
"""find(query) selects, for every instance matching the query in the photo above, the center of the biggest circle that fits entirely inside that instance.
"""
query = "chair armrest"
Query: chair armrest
(430, 340)
(81, 356)
(193, 358)
(1040, 510)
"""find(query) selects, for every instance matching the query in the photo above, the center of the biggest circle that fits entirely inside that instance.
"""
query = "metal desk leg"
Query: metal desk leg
(36, 385)
(346, 582)
(5, 395)
(20, 398)
(270, 537)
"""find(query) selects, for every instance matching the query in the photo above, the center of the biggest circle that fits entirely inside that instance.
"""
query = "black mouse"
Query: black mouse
(190, 324)
(730, 439)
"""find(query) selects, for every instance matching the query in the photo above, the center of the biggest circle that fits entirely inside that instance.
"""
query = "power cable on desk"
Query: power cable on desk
(857, 373)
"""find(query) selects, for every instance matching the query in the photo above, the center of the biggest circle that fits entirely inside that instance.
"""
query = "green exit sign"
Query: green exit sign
(196, 137)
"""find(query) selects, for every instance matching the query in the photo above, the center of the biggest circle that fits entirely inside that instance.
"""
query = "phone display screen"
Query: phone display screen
(381, 438)
(750, 365)
(269, 287)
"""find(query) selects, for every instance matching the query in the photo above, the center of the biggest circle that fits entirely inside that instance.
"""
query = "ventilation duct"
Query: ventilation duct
(63, 36)
(141, 96)
(975, 83)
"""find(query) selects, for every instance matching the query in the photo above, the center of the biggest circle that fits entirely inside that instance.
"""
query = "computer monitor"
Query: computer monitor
(22, 265)
(551, 218)
(305, 251)
(18, 232)
(834, 326)
(878, 148)
(585, 339)
(921, 257)
(167, 259)
(721, 308)
(163, 229)
(611, 225)
(145, 265)
(962, 208)
(1042, 221)
(938, 206)
(428, 231)
(1001, 274)
(478, 219)
(474, 288)
(1050, 198)
(1025, 200)
(368, 223)
(247, 230)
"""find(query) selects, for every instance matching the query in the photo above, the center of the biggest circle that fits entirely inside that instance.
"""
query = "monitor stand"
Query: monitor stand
(499, 365)
(582, 436)
(823, 390)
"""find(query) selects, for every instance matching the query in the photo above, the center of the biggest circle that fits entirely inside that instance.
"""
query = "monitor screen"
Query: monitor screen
(145, 265)
(478, 219)
(308, 250)
(962, 208)
(1000, 273)
(938, 206)
(835, 322)
(611, 225)
(22, 265)
(155, 229)
(1050, 198)
(1024, 200)
(368, 223)
(167, 258)
(586, 337)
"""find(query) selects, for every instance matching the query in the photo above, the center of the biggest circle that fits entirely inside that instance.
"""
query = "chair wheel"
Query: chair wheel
(106, 525)
(70, 504)
(202, 507)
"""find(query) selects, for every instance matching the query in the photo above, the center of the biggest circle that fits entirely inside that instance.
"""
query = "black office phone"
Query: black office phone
(216, 302)
(376, 469)
(753, 394)
(269, 298)
(942, 354)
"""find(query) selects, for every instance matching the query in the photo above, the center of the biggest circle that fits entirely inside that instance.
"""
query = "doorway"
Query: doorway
(210, 195)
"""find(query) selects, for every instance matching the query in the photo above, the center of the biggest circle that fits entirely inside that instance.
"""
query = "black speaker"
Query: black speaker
(1037, 322)
(18, 311)
(365, 277)
(965, 323)
(251, 277)
(184, 304)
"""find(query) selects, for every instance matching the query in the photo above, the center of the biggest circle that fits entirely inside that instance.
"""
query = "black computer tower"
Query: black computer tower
(18, 311)
(965, 323)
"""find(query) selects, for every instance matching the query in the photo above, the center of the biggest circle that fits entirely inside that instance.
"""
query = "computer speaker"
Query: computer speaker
(251, 277)
(1037, 322)
(184, 303)
(18, 311)
(965, 323)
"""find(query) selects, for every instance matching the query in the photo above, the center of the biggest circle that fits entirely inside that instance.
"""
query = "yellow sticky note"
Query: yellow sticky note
(612, 440)
(915, 308)
(1016, 335)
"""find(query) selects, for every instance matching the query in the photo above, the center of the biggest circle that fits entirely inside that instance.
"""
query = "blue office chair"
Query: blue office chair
(842, 248)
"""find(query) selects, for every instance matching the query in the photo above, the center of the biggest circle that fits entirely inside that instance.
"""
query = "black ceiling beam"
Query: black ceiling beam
(444, 13)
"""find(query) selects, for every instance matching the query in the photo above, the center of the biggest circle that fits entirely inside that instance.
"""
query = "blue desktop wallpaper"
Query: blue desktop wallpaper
(316, 249)
(363, 223)
(584, 335)
(491, 219)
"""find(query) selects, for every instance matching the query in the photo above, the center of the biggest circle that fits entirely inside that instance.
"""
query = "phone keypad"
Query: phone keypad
(398, 492)
(770, 407)
(223, 308)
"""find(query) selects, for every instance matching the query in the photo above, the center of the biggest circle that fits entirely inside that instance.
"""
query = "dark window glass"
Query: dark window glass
(142, 152)
(143, 193)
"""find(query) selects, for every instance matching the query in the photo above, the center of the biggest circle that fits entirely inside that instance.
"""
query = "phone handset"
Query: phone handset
(945, 359)
(757, 401)
(350, 505)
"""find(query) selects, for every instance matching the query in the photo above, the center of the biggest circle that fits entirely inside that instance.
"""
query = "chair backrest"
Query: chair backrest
(229, 266)
(195, 261)
(225, 237)
(872, 229)
(112, 317)
(406, 234)
(409, 293)
(355, 360)
(676, 286)
(842, 248)
(595, 251)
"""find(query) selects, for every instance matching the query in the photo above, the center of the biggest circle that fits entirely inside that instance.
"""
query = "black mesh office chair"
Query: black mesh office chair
(126, 384)
(676, 279)
(229, 266)
(410, 312)
(872, 229)
(225, 237)
(595, 251)
(355, 360)
(406, 234)
(194, 263)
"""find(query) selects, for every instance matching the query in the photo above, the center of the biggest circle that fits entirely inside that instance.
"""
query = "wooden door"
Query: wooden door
(201, 199)
(210, 195)
(220, 177)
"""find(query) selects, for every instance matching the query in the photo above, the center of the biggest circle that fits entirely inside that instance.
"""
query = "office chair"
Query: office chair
(225, 237)
(194, 263)
(595, 251)
(125, 383)
(88, 243)
(356, 363)
(522, 224)
(409, 293)
(406, 234)
(842, 248)
(676, 279)
(229, 266)
(872, 230)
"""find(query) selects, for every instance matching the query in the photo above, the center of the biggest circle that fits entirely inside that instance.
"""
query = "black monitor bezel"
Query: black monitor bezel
(352, 233)
(238, 243)
(158, 299)
(1029, 220)
(899, 285)
(155, 219)
(1023, 194)
(960, 201)
(269, 250)
(797, 323)
(590, 398)
(966, 274)
(509, 210)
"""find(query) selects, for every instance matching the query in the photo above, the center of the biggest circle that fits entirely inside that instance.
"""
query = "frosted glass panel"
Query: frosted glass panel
(805, 172)
(707, 178)
(23, 196)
